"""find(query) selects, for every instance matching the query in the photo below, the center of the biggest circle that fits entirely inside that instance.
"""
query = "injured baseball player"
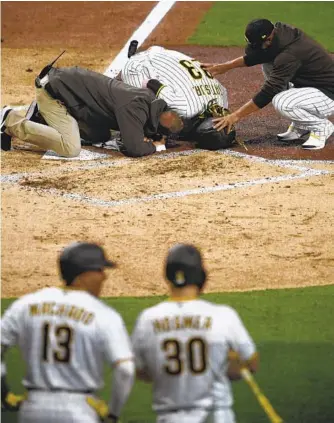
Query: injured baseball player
(187, 89)
(182, 347)
(65, 336)
(77, 103)
(299, 81)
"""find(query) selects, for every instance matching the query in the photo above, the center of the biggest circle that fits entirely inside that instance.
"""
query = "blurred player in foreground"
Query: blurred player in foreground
(182, 345)
(65, 335)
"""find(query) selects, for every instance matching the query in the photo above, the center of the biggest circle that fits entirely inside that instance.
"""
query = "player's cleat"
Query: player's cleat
(316, 142)
(132, 48)
(6, 140)
(292, 134)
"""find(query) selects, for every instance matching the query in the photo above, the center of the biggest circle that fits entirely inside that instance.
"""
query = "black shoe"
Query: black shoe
(6, 140)
(132, 48)
(33, 114)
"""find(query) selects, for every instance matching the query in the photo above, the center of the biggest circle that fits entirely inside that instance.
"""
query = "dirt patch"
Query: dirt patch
(257, 237)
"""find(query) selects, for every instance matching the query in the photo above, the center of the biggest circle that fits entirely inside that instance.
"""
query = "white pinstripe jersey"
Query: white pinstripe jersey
(65, 336)
(183, 347)
(187, 88)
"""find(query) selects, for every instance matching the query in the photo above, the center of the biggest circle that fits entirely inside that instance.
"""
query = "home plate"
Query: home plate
(84, 155)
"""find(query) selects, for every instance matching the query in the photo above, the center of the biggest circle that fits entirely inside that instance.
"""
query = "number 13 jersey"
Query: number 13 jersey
(65, 336)
(183, 348)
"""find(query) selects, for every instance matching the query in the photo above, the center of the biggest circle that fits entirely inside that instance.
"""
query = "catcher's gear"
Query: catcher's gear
(184, 266)
(12, 402)
(80, 257)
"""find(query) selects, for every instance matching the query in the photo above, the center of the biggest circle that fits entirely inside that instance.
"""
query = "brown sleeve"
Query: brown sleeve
(131, 119)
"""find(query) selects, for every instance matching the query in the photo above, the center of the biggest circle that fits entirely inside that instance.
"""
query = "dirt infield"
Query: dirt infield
(260, 224)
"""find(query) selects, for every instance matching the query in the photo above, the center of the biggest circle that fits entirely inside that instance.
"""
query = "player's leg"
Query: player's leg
(60, 135)
(308, 108)
(55, 114)
(191, 416)
(222, 415)
(41, 407)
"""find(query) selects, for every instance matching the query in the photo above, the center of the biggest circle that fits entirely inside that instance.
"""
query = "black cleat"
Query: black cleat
(6, 140)
(132, 48)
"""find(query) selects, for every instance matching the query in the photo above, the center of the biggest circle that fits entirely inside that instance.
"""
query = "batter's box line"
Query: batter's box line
(288, 164)
(178, 194)
(16, 177)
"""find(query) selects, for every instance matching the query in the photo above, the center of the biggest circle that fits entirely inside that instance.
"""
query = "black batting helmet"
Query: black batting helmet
(208, 138)
(184, 266)
(80, 257)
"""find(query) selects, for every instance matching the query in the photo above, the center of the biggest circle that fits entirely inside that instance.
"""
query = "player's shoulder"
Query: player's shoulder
(221, 309)
(152, 312)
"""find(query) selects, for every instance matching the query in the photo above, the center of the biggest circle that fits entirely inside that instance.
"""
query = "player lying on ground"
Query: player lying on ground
(187, 89)
(74, 100)
(182, 345)
(288, 57)
(65, 335)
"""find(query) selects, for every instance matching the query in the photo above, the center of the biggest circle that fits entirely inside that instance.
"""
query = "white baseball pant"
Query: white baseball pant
(308, 109)
(184, 416)
(223, 415)
(55, 407)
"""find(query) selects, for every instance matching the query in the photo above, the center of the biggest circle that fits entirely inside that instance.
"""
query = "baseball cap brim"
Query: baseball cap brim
(108, 263)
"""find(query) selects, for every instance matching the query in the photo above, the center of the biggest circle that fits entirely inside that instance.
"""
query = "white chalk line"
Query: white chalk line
(16, 177)
(178, 194)
(304, 173)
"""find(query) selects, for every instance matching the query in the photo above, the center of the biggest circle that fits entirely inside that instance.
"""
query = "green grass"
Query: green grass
(293, 330)
(225, 22)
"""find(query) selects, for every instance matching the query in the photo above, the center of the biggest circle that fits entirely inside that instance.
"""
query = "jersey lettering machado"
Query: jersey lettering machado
(65, 337)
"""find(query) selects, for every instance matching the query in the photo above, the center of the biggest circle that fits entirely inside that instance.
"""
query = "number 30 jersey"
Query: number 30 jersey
(65, 336)
(183, 348)
(187, 88)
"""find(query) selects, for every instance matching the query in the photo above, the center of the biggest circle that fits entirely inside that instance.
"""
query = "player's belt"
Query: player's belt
(68, 391)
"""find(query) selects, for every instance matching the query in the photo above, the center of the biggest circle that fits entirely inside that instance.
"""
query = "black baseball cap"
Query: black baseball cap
(80, 257)
(257, 31)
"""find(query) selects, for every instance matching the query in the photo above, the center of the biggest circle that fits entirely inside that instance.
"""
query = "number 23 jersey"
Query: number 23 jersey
(183, 348)
(65, 336)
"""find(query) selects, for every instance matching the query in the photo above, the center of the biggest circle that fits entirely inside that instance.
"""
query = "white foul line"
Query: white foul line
(141, 33)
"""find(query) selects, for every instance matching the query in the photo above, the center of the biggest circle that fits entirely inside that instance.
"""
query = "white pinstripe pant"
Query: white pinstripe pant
(307, 108)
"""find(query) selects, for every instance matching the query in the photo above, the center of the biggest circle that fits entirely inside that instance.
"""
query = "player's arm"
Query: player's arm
(118, 352)
(220, 68)
(138, 344)
(243, 351)
(10, 329)
(131, 119)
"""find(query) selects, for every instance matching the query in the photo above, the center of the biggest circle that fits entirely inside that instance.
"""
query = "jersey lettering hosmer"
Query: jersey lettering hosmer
(65, 337)
(187, 88)
(183, 348)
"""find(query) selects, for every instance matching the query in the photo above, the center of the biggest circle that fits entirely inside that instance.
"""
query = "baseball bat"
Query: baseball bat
(262, 399)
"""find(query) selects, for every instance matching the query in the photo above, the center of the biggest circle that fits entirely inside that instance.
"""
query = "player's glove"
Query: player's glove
(102, 410)
(12, 402)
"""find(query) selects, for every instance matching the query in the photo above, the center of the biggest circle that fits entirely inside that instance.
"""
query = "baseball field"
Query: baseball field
(263, 217)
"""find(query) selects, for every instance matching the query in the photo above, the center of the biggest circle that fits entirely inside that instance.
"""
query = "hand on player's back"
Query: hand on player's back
(215, 68)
